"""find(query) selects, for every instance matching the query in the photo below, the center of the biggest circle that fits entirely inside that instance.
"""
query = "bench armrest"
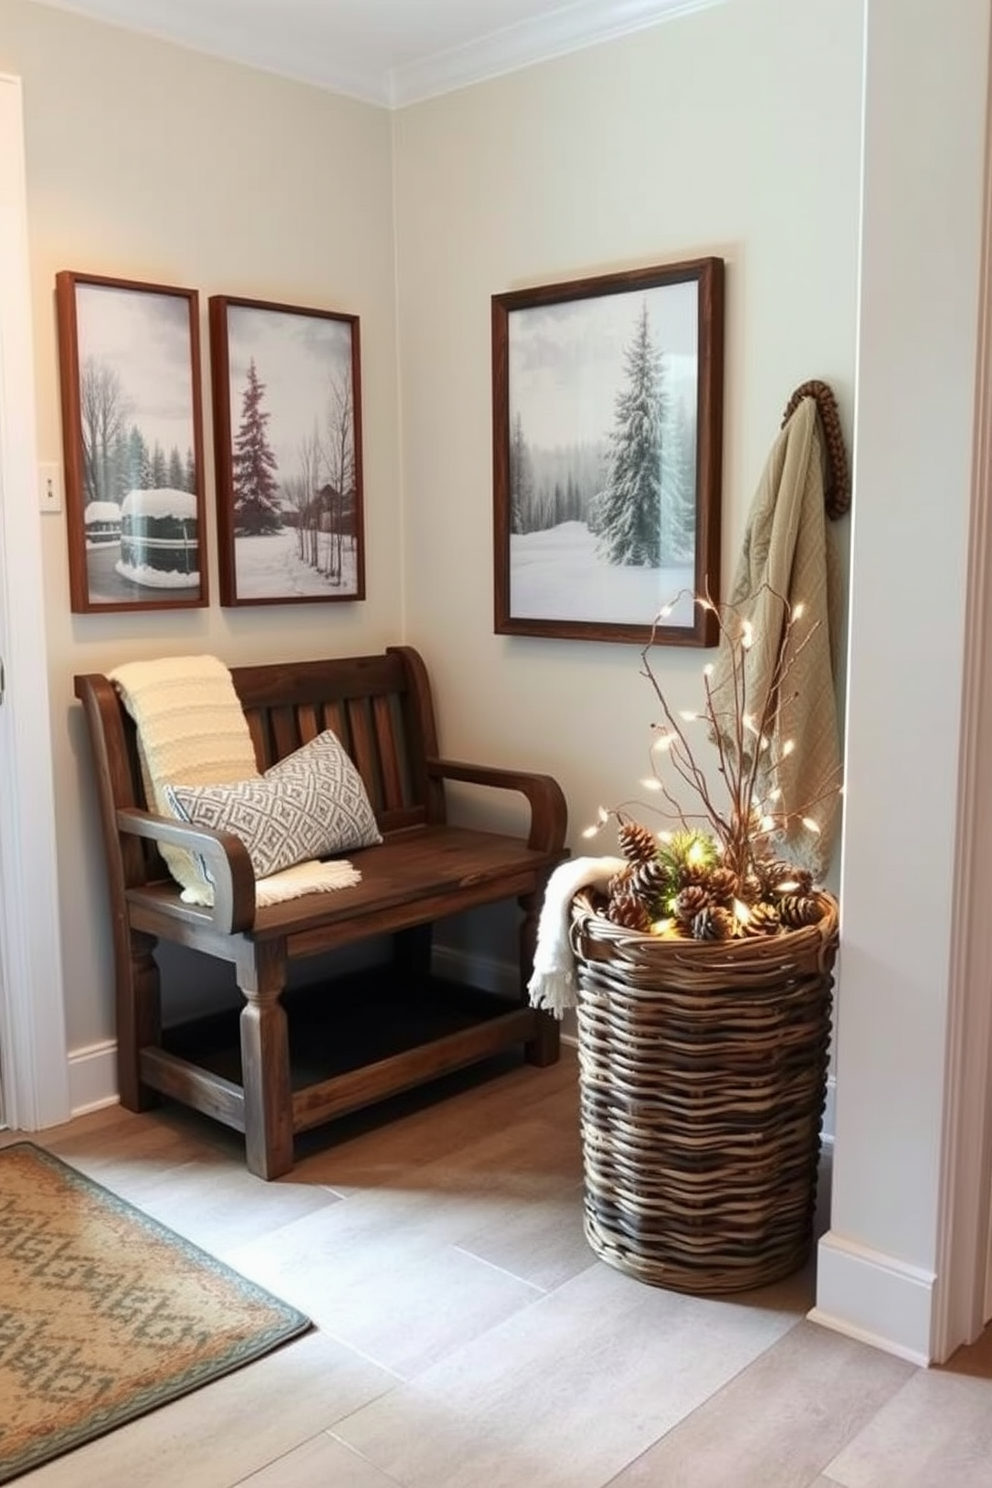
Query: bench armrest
(548, 810)
(225, 856)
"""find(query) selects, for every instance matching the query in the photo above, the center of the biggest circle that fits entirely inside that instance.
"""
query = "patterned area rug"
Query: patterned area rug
(105, 1314)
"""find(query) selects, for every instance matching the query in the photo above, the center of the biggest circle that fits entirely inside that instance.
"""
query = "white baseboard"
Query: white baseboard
(93, 1078)
(487, 972)
(874, 1298)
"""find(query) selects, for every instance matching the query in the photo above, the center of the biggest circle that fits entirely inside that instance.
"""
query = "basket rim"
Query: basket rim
(822, 935)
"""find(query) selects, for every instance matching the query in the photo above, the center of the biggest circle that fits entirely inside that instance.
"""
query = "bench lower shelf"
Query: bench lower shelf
(352, 1042)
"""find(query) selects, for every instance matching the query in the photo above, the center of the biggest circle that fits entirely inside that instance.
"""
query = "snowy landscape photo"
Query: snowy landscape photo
(131, 417)
(288, 431)
(604, 518)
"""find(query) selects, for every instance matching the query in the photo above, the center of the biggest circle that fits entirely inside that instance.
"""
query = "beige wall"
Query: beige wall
(665, 145)
(147, 161)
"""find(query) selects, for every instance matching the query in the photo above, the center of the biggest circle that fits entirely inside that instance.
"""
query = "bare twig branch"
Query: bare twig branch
(747, 761)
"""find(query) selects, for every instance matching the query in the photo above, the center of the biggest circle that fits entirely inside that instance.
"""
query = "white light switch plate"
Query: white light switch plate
(50, 487)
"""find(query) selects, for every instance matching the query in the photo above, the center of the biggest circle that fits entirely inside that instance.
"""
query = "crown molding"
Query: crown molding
(569, 29)
(308, 58)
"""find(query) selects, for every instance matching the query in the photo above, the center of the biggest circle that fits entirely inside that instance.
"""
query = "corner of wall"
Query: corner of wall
(874, 1298)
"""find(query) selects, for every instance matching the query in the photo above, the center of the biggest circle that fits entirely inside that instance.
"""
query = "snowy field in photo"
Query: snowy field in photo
(157, 578)
(270, 567)
(559, 574)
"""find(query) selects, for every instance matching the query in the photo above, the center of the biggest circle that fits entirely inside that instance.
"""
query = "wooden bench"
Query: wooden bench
(293, 1060)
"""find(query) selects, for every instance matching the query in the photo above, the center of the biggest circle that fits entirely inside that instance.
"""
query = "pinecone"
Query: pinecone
(749, 891)
(774, 873)
(689, 902)
(628, 910)
(769, 873)
(637, 843)
(648, 879)
(723, 885)
(713, 923)
(620, 882)
(797, 910)
(763, 920)
(694, 874)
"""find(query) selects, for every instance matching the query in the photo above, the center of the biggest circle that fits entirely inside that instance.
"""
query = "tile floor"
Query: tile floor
(467, 1337)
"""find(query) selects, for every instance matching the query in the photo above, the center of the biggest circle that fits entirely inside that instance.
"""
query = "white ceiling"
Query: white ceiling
(390, 52)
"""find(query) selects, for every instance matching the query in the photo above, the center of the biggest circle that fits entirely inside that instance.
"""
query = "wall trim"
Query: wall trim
(93, 1078)
(862, 1335)
(874, 1298)
(488, 972)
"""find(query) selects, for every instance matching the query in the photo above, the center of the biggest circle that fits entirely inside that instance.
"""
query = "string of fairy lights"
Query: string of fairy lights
(740, 824)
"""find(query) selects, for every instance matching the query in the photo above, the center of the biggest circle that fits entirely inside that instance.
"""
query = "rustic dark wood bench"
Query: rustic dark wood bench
(292, 1060)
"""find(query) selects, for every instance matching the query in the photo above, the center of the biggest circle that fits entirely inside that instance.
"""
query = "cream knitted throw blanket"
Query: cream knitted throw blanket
(553, 985)
(788, 554)
(192, 731)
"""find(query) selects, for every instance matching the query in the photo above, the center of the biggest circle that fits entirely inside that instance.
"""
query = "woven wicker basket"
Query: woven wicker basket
(702, 1073)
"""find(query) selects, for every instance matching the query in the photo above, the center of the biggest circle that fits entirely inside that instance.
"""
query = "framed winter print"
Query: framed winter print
(607, 440)
(288, 432)
(132, 436)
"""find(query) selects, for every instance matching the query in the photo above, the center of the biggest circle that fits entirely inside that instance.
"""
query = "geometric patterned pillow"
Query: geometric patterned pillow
(308, 805)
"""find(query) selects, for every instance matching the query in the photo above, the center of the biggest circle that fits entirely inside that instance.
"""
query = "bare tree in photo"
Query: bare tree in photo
(104, 409)
(294, 500)
(340, 492)
(301, 493)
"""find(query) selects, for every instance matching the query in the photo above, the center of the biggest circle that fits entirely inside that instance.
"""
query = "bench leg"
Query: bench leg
(139, 1016)
(544, 1048)
(265, 1064)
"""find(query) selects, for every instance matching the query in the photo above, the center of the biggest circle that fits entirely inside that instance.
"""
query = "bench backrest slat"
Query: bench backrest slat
(396, 790)
(333, 717)
(362, 748)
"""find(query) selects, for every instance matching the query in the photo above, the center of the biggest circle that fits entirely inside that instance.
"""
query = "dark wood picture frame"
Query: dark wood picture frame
(132, 439)
(288, 451)
(606, 525)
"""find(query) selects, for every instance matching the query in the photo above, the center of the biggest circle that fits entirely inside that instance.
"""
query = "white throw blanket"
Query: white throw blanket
(311, 877)
(192, 731)
(553, 984)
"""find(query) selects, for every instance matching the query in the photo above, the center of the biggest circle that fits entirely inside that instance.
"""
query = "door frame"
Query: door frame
(963, 1293)
(32, 1009)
